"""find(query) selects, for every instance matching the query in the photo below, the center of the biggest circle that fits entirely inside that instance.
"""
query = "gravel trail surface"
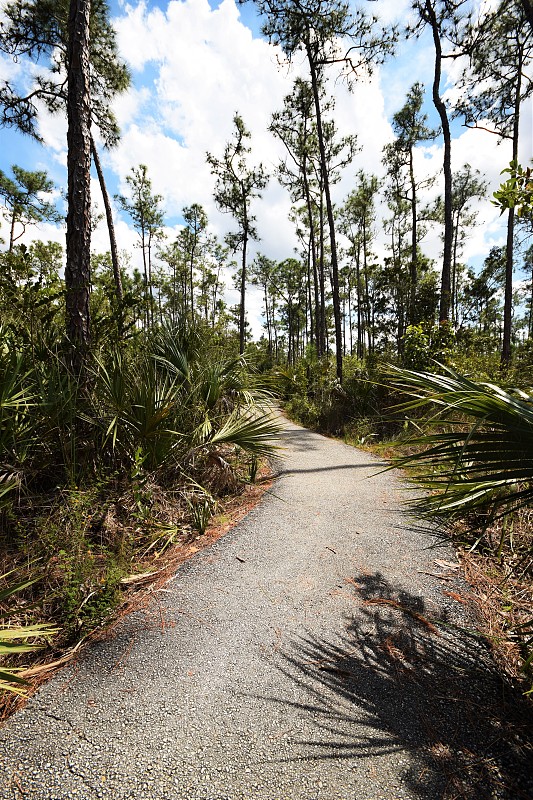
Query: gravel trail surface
(311, 654)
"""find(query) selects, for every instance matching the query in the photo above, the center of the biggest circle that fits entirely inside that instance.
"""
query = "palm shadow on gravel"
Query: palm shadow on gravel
(336, 468)
(399, 683)
(300, 439)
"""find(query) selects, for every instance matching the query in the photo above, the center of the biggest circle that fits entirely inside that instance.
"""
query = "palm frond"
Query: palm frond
(14, 639)
(483, 459)
(254, 434)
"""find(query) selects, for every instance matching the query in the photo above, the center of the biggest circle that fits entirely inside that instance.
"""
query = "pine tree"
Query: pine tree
(237, 184)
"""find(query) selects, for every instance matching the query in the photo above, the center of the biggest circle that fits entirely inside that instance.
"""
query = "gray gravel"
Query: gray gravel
(264, 670)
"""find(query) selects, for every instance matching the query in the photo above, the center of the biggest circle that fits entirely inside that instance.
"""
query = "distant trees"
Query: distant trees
(237, 184)
(337, 291)
(196, 224)
(441, 16)
(467, 186)
(146, 213)
(410, 126)
(24, 202)
(327, 33)
(301, 172)
(499, 46)
(357, 218)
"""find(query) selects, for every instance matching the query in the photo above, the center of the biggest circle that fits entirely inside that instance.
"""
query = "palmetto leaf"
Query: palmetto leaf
(257, 434)
(7, 635)
(14, 587)
(484, 458)
(8, 678)
(15, 639)
(13, 394)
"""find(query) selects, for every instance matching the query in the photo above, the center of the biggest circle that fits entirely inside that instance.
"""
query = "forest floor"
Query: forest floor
(326, 648)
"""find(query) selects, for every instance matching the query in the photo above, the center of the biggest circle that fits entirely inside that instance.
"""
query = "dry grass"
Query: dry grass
(498, 565)
(104, 557)
(500, 572)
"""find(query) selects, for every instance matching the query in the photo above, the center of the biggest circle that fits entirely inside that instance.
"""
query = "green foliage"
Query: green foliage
(201, 506)
(480, 456)
(147, 409)
(31, 296)
(478, 360)
(96, 475)
(16, 639)
(517, 191)
(475, 461)
(354, 409)
(37, 31)
(84, 563)
(237, 184)
(24, 202)
(423, 345)
(416, 347)
(304, 411)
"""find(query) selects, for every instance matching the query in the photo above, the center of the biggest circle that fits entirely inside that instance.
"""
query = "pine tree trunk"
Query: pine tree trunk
(330, 217)
(414, 244)
(242, 309)
(12, 230)
(191, 277)
(78, 263)
(111, 230)
(445, 287)
(309, 316)
(509, 255)
(312, 249)
(321, 325)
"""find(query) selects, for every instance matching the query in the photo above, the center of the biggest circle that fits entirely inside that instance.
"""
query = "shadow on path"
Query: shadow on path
(291, 471)
(396, 681)
(302, 439)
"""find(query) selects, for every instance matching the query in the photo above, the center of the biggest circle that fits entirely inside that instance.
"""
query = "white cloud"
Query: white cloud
(135, 34)
(9, 69)
(392, 11)
(194, 66)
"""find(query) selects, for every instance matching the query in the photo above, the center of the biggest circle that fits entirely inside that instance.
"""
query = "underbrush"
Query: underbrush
(467, 444)
(79, 554)
(357, 411)
(499, 568)
(101, 478)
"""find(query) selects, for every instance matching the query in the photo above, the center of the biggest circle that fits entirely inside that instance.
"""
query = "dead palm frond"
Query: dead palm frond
(18, 639)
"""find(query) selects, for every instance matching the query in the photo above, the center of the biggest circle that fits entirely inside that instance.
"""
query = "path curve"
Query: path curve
(297, 661)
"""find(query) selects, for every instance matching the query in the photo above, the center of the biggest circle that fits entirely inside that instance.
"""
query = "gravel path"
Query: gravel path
(293, 660)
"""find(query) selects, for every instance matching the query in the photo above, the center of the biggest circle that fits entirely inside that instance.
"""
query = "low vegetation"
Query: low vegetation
(132, 403)
(467, 444)
(99, 479)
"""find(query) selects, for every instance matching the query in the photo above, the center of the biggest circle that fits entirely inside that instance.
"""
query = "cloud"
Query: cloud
(194, 66)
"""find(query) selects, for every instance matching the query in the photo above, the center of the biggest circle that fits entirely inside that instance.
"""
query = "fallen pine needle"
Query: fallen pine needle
(139, 578)
(41, 668)
(447, 564)
(455, 596)
(441, 575)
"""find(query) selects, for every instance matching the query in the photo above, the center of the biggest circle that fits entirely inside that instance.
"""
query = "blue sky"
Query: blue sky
(194, 64)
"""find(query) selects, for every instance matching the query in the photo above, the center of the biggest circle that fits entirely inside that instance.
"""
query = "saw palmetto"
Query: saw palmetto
(476, 453)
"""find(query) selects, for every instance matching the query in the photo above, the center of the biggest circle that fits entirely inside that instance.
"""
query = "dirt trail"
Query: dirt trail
(311, 654)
